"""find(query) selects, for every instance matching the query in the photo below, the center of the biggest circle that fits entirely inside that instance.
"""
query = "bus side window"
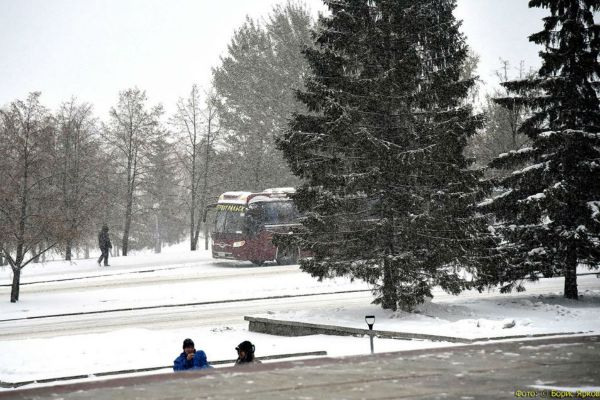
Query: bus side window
(272, 216)
(253, 221)
(287, 212)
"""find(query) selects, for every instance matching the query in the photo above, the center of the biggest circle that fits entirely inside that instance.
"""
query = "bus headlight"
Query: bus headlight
(239, 244)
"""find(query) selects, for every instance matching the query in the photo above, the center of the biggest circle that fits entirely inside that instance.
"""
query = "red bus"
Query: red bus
(245, 223)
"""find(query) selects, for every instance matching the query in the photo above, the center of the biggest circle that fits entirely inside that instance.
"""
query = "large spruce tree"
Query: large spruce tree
(387, 193)
(549, 212)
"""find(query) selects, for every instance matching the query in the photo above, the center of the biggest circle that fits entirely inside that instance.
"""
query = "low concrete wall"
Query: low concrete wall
(295, 328)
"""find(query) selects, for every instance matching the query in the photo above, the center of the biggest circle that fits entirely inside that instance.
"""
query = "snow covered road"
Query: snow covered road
(137, 287)
(213, 315)
(222, 293)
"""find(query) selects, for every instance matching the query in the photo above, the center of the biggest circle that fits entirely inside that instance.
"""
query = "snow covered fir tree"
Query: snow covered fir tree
(549, 211)
(388, 196)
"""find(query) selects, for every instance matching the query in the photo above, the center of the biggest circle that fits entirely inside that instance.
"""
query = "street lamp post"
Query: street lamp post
(370, 320)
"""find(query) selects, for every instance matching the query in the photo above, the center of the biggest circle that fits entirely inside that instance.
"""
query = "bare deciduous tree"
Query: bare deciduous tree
(501, 131)
(131, 130)
(197, 123)
(29, 203)
(76, 161)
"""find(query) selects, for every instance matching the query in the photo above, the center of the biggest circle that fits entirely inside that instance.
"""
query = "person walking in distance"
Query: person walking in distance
(105, 245)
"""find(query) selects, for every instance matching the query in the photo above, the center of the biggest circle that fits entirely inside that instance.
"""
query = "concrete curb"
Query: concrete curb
(295, 328)
(15, 385)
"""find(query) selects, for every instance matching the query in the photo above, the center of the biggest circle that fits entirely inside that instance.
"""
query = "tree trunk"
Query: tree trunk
(131, 179)
(197, 231)
(157, 238)
(193, 239)
(571, 274)
(86, 252)
(388, 292)
(16, 284)
(42, 252)
(128, 211)
(68, 250)
(20, 248)
(206, 234)
(204, 197)
(389, 300)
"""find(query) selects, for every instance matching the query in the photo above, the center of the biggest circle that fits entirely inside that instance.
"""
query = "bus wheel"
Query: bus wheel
(287, 256)
(256, 262)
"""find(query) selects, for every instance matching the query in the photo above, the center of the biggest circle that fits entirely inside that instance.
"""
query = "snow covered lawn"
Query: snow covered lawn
(474, 315)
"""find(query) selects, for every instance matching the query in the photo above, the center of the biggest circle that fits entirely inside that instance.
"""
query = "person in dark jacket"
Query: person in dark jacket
(190, 358)
(104, 244)
(245, 352)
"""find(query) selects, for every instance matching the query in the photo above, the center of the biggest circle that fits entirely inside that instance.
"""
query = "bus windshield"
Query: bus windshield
(229, 218)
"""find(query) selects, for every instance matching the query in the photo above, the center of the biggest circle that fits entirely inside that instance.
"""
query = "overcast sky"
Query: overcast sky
(91, 49)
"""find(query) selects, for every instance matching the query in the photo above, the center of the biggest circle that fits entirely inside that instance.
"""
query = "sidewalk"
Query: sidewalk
(492, 370)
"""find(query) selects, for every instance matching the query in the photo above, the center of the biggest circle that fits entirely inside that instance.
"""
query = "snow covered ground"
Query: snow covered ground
(474, 316)
(42, 348)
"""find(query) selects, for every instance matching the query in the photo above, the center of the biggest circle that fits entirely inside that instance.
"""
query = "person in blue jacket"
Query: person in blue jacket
(190, 358)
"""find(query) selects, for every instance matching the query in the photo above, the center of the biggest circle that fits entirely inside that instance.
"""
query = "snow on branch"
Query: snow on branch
(530, 168)
(524, 150)
(491, 200)
(534, 197)
(594, 206)
(570, 132)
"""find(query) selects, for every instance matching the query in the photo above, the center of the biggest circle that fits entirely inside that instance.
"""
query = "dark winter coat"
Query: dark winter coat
(247, 360)
(241, 361)
(104, 240)
(199, 361)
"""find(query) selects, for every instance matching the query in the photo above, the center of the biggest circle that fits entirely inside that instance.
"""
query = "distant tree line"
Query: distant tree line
(147, 175)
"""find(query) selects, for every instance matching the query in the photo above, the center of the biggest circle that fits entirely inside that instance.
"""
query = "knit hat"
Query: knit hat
(188, 343)
(246, 346)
